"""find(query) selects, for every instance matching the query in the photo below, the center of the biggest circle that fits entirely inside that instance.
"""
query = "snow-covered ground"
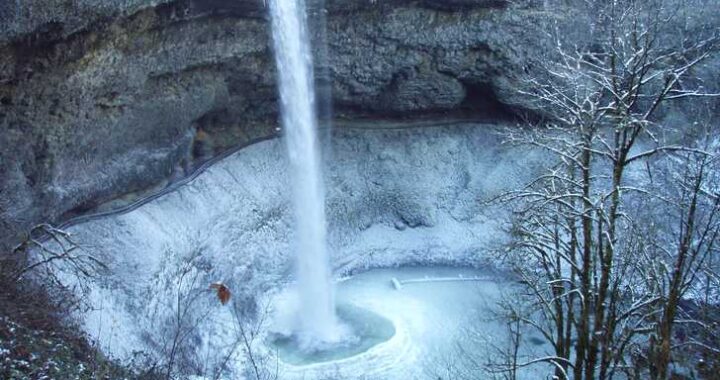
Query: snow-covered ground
(395, 196)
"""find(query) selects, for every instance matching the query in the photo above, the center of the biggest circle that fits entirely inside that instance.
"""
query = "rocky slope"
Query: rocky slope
(100, 99)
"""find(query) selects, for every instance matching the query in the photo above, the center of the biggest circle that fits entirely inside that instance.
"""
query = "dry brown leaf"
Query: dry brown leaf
(223, 293)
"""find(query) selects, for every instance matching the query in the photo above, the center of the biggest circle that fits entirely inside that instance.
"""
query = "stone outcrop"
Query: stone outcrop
(107, 99)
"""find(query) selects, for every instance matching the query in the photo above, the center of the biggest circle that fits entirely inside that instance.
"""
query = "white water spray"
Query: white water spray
(317, 322)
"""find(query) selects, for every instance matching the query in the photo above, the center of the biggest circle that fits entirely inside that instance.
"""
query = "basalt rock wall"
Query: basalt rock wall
(104, 100)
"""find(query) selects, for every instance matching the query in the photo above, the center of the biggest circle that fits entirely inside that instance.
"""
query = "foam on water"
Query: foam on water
(363, 329)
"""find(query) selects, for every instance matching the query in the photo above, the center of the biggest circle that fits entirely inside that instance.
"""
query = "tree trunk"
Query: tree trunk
(663, 358)
(584, 323)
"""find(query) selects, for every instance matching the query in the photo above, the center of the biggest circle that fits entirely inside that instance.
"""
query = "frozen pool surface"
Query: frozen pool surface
(441, 328)
(364, 329)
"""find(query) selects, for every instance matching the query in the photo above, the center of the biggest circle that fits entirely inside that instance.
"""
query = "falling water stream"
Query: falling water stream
(375, 329)
(316, 320)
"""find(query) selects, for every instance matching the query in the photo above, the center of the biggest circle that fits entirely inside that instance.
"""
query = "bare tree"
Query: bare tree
(575, 240)
(249, 324)
(51, 257)
(678, 256)
(516, 314)
(248, 330)
(187, 315)
(48, 247)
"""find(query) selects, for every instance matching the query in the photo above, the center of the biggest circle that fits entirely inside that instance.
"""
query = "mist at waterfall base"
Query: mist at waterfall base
(315, 325)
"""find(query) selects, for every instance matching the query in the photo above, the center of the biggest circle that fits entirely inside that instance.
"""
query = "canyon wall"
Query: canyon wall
(106, 100)
(101, 100)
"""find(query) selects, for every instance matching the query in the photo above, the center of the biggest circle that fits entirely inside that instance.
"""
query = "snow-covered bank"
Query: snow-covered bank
(395, 196)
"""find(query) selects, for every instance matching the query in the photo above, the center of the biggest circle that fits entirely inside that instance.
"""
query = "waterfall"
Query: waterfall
(317, 322)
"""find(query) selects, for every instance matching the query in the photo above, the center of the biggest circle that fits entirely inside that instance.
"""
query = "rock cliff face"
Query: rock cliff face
(100, 99)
